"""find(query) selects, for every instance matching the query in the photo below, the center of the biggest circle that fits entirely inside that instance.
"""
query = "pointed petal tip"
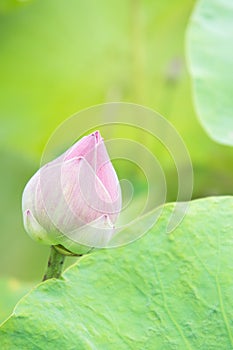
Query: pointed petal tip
(98, 137)
(84, 145)
(34, 229)
(30, 223)
(75, 160)
(95, 234)
(107, 221)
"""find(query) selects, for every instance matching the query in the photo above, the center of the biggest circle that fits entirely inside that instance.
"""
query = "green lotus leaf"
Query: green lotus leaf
(160, 292)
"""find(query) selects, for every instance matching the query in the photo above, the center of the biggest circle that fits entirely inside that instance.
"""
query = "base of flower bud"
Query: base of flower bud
(64, 251)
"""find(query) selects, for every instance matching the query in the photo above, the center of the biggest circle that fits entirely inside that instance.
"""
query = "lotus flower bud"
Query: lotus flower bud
(74, 201)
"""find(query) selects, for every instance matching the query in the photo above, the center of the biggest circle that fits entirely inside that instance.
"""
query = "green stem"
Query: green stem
(55, 264)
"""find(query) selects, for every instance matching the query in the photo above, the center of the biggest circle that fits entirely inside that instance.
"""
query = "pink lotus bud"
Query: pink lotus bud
(75, 199)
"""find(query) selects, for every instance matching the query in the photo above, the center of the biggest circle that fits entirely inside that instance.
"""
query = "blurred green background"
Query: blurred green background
(58, 57)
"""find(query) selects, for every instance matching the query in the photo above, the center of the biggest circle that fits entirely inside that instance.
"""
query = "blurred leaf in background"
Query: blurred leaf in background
(11, 291)
(58, 57)
(209, 48)
(8, 5)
